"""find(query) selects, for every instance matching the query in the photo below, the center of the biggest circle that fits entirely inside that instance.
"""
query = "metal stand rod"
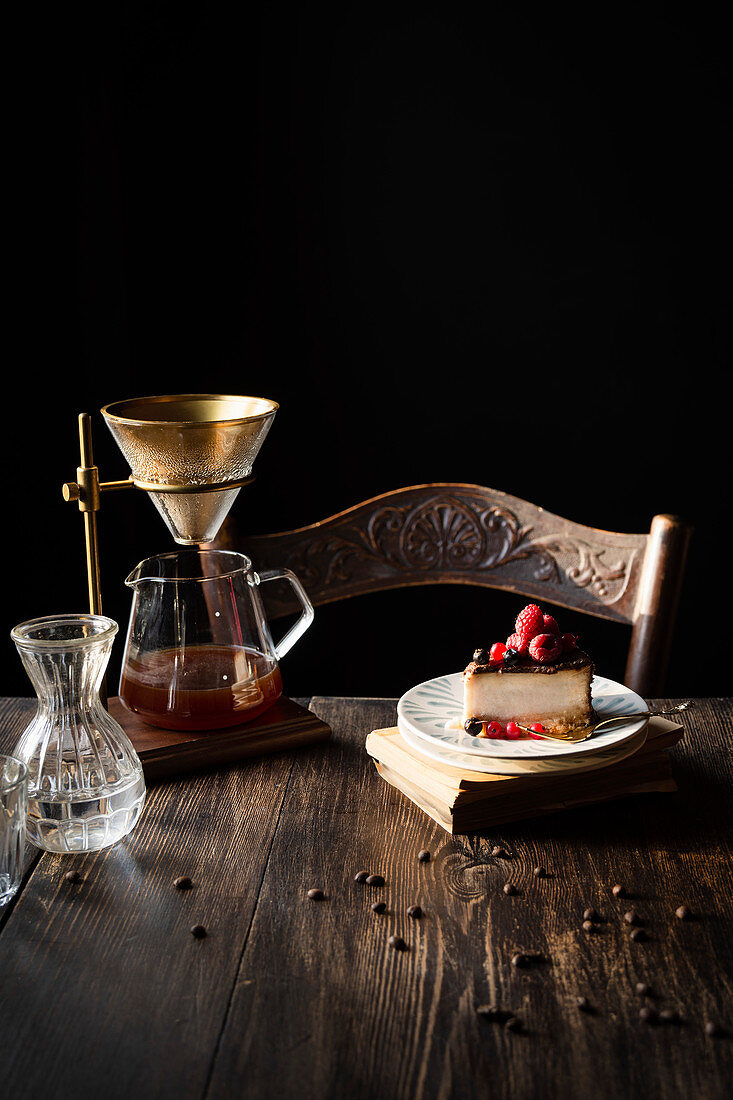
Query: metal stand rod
(89, 509)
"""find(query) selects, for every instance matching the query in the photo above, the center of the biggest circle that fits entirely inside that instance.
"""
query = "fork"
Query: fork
(574, 737)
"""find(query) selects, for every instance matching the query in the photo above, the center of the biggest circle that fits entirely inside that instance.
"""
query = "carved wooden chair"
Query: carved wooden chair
(451, 533)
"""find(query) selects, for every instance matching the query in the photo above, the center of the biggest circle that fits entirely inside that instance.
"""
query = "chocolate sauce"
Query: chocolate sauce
(575, 659)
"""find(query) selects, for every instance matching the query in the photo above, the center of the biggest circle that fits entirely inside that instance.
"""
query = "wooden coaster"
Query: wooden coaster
(164, 753)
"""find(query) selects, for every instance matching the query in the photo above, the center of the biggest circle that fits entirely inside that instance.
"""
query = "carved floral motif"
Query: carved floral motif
(448, 534)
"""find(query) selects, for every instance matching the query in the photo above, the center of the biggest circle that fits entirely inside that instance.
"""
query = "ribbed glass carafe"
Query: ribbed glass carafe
(85, 782)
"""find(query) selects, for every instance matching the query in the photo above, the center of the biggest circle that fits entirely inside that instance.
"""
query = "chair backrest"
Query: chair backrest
(453, 533)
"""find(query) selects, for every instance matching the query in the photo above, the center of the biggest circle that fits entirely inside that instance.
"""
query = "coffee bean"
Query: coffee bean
(424, 855)
(513, 1024)
(375, 880)
(398, 943)
(684, 913)
(414, 911)
(73, 876)
(583, 1004)
(510, 889)
(500, 853)
(631, 917)
(316, 895)
(618, 891)
(643, 989)
(496, 1015)
(539, 872)
(638, 935)
(521, 958)
(379, 906)
(361, 876)
(198, 931)
(590, 914)
(183, 882)
(715, 1031)
(588, 926)
(648, 1015)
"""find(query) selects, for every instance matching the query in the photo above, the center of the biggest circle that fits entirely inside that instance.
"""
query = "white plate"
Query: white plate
(425, 709)
(548, 765)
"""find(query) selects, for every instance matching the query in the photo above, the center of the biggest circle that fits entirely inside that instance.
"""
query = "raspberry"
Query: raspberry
(513, 732)
(494, 729)
(518, 642)
(550, 625)
(545, 648)
(529, 621)
(497, 651)
(569, 641)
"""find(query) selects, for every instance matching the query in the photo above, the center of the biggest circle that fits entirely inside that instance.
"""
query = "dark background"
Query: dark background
(454, 242)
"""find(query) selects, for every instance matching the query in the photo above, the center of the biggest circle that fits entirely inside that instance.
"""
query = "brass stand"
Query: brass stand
(87, 491)
(217, 430)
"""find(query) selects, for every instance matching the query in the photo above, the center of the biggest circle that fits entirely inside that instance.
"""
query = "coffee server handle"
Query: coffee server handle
(306, 617)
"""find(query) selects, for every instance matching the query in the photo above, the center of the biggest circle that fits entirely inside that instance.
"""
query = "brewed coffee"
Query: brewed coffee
(173, 688)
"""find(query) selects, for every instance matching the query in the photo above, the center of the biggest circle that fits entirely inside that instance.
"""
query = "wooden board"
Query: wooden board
(464, 801)
(389, 747)
(165, 753)
(651, 774)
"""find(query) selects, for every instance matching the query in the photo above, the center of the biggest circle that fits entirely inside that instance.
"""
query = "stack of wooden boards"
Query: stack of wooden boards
(467, 801)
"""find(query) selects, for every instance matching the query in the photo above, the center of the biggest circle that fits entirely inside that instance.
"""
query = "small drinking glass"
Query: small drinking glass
(13, 807)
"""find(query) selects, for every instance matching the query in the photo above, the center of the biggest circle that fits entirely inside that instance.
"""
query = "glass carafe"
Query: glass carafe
(85, 783)
(199, 653)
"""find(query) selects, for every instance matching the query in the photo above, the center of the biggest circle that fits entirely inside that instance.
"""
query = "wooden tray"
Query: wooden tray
(164, 753)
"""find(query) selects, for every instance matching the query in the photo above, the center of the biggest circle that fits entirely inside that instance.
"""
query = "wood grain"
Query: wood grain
(458, 533)
(166, 753)
(404, 1024)
(104, 977)
(291, 997)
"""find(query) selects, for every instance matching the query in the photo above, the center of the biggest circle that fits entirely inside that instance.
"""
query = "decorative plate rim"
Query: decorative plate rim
(544, 765)
(426, 707)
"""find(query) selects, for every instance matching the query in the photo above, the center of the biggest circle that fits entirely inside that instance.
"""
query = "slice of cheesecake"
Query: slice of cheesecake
(558, 694)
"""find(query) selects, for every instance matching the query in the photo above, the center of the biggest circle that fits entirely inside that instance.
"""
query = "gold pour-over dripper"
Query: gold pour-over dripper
(191, 453)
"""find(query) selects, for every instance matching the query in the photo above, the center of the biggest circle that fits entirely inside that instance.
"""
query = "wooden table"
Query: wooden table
(104, 991)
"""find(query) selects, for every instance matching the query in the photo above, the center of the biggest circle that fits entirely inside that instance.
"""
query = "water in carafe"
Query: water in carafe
(85, 782)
